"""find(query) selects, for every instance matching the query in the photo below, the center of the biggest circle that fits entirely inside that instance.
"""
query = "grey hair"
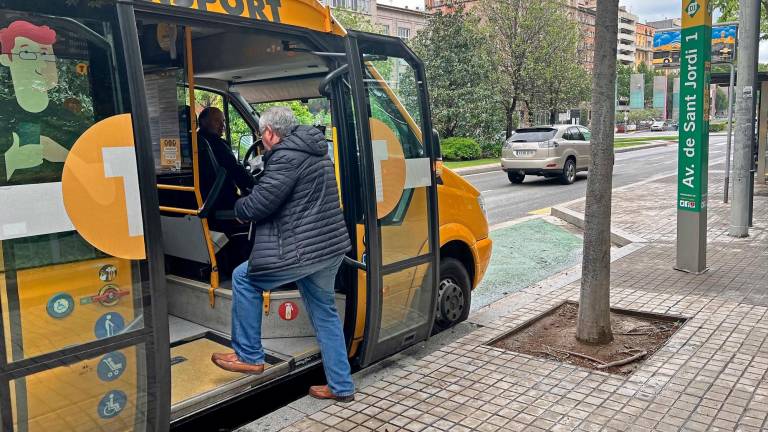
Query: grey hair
(280, 119)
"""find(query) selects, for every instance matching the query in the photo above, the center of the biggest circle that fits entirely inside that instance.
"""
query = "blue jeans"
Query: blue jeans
(316, 284)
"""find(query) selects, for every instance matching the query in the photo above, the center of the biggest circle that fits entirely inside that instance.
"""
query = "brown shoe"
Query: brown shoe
(323, 392)
(230, 362)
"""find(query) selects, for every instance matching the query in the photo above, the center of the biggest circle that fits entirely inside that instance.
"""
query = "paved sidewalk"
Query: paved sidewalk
(711, 375)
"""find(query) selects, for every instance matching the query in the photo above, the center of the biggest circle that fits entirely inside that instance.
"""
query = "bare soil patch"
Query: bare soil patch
(636, 337)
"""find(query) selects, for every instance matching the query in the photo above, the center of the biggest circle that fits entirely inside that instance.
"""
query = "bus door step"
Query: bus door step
(197, 383)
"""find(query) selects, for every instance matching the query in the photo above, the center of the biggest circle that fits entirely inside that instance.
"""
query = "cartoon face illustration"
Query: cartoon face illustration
(27, 50)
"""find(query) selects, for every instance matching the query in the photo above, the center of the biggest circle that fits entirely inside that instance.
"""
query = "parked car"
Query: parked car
(658, 126)
(550, 151)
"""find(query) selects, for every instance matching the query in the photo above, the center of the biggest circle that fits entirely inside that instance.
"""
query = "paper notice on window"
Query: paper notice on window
(170, 153)
(161, 92)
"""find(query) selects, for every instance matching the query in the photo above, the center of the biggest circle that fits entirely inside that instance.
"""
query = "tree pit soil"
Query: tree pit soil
(553, 336)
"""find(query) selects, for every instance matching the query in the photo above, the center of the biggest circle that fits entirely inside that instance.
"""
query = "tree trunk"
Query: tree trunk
(594, 324)
(552, 116)
(509, 110)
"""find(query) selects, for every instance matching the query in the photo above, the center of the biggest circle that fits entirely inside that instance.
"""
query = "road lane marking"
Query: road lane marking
(541, 211)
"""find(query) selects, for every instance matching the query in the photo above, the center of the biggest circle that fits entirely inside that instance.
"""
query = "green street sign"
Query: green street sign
(693, 152)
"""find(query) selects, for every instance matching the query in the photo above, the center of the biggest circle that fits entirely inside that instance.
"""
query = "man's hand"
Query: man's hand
(20, 157)
(53, 151)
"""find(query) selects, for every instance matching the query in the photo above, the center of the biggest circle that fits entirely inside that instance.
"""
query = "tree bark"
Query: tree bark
(510, 116)
(594, 322)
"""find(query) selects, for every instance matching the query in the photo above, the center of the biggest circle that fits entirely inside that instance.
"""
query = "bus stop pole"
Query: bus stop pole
(730, 135)
(749, 36)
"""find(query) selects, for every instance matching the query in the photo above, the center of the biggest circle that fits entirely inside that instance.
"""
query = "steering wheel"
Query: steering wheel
(251, 162)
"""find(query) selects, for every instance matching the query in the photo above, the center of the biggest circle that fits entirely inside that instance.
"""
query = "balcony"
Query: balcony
(625, 59)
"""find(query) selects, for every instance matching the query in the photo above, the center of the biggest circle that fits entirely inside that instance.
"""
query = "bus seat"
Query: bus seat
(183, 237)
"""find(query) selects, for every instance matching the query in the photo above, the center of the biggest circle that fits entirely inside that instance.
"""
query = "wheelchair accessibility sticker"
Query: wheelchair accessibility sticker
(112, 404)
(60, 306)
(111, 366)
(110, 324)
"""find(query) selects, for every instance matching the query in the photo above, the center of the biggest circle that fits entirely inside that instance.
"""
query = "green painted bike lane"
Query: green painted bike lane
(524, 254)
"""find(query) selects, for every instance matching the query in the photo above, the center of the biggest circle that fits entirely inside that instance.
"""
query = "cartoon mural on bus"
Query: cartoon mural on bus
(27, 51)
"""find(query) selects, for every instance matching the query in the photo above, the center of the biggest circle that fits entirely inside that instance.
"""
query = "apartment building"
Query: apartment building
(580, 11)
(644, 44)
(401, 22)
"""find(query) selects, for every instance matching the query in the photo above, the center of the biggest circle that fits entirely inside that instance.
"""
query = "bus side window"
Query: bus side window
(241, 135)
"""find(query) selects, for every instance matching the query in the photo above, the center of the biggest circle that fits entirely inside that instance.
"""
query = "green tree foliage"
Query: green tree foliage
(533, 44)
(559, 81)
(730, 12)
(637, 116)
(459, 75)
(623, 76)
(352, 20)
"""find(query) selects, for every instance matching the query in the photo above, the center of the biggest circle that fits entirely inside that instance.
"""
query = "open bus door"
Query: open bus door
(400, 242)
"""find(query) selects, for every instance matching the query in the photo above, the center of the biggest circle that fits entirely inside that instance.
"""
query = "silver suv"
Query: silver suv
(550, 151)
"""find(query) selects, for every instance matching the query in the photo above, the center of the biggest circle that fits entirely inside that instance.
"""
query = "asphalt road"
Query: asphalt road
(506, 201)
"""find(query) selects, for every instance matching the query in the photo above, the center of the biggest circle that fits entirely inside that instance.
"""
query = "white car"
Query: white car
(658, 126)
(550, 151)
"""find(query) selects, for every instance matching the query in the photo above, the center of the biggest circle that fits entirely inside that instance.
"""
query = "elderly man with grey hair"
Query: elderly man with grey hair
(300, 236)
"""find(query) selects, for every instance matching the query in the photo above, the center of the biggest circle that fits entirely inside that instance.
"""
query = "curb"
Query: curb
(618, 237)
(640, 147)
(482, 169)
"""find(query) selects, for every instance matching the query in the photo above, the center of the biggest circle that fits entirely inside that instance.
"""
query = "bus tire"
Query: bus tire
(453, 295)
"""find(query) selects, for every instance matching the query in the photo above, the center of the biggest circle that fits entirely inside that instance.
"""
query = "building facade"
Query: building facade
(626, 47)
(401, 22)
(644, 44)
(367, 7)
(665, 23)
(580, 11)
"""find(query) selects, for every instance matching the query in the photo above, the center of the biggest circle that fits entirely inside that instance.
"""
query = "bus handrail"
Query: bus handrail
(170, 187)
(179, 210)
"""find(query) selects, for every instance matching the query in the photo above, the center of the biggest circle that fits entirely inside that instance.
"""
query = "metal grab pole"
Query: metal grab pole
(727, 184)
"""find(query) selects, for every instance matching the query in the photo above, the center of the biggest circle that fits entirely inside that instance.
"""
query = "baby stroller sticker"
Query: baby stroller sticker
(111, 366)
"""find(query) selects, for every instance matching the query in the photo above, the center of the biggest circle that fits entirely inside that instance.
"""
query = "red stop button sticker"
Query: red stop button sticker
(288, 311)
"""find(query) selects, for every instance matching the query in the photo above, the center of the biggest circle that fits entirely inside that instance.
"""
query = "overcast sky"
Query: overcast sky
(647, 10)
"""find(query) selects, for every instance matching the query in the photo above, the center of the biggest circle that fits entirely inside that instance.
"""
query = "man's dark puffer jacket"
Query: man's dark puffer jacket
(295, 206)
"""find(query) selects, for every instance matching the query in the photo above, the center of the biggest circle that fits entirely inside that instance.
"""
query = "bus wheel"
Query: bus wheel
(453, 294)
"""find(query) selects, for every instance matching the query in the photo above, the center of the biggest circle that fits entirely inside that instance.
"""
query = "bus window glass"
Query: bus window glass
(402, 177)
(55, 399)
(240, 133)
(312, 112)
(60, 285)
(401, 167)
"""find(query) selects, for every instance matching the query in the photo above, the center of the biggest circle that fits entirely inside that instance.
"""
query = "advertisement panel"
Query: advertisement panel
(676, 98)
(637, 91)
(666, 45)
(660, 94)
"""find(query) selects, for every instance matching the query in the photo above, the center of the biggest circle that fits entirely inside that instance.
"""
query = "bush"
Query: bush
(490, 148)
(457, 148)
(717, 127)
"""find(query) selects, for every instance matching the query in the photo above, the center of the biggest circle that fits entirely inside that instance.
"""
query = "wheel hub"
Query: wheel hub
(450, 302)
